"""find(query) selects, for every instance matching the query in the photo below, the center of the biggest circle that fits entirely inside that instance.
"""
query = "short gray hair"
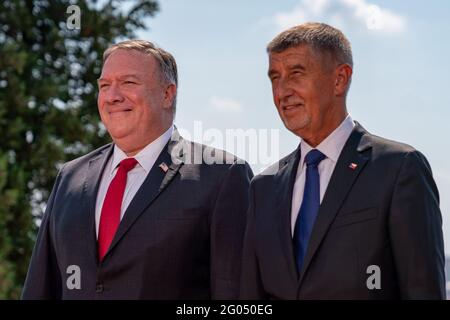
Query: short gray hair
(166, 62)
(319, 36)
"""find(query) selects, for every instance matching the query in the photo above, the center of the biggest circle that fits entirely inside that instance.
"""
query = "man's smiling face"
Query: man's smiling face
(303, 89)
(131, 97)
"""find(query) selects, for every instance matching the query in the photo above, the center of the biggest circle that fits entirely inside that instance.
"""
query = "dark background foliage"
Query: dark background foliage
(48, 109)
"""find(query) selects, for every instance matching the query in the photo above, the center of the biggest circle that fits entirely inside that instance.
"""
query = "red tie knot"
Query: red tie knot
(128, 164)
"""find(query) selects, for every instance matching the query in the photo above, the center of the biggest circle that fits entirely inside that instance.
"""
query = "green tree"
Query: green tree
(48, 112)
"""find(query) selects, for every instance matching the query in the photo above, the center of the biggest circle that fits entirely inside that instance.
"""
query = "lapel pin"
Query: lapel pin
(164, 167)
(353, 166)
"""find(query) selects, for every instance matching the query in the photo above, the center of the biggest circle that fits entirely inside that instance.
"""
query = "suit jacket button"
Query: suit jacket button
(99, 288)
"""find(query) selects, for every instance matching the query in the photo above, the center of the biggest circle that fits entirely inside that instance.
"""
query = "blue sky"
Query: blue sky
(400, 81)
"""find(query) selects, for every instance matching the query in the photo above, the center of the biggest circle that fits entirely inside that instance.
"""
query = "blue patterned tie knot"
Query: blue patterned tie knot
(314, 157)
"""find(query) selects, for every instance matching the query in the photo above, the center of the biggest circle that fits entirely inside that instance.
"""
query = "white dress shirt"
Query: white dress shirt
(146, 158)
(331, 147)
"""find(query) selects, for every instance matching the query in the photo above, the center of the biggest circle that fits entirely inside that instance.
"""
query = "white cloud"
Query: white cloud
(225, 104)
(343, 13)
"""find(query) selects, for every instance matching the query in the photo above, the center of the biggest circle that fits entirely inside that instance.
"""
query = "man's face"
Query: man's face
(303, 89)
(131, 100)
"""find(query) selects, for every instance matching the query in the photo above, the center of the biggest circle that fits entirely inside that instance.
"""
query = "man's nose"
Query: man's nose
(113, 94)
(283, 89)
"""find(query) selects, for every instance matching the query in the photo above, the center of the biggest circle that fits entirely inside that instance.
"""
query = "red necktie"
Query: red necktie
(110, 216)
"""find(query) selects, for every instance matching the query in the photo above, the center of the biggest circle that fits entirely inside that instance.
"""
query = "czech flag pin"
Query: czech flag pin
(164, 167)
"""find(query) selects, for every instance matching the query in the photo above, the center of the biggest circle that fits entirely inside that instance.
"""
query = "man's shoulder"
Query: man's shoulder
(198, 154)
(271, 172)
(81, 161)
(395, 154)
(206, 161)
(385, 145)
(384, 148)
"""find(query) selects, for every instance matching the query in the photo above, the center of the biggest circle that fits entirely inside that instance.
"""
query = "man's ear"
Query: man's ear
(343, 77)
(169, 95)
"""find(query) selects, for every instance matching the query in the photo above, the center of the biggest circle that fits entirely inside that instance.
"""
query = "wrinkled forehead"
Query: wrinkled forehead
(130, 62)
(294, 55)
(304, 56)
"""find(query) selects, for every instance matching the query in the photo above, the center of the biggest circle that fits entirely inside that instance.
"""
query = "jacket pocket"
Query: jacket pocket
(357, 216)
(182, 214)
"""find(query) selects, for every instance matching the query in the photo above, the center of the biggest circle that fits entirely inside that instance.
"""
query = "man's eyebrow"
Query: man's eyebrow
(297, 66)
(128, 76)
(125, 76)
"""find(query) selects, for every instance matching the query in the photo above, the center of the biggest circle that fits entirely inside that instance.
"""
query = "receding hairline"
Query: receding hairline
(156, 68)
(143, 46)
(120, 49)
(132, 51)
(165, 60)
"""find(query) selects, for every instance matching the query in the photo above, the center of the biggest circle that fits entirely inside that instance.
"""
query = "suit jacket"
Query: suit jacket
(384, 212)
(180, 238)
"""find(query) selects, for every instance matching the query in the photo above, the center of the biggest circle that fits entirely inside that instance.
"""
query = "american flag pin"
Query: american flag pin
(164, 166)
(353, 166)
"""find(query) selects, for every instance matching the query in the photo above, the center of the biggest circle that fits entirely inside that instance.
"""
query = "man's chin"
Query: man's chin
(296, 125)
(119, 133)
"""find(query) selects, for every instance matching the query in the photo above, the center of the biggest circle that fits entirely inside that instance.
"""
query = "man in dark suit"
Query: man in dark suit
(150, 216)
(348, 215)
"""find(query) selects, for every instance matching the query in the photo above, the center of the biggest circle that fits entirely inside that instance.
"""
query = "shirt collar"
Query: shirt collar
(146, 158)
(332, 145)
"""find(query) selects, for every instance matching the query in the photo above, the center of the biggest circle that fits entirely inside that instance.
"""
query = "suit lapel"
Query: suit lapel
(91, 183)
(157, 180)
(349, 165)
(285, 183)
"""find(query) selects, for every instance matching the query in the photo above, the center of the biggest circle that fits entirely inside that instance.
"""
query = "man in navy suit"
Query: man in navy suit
(142, 218)
(348, 215)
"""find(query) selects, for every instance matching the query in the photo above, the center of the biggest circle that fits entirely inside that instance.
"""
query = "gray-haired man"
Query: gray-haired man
(138, 218)
(348, 215)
